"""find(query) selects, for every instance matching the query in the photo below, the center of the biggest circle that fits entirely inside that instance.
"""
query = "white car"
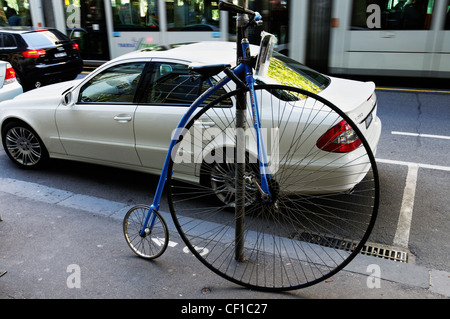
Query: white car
(124, 113)
(9, 86)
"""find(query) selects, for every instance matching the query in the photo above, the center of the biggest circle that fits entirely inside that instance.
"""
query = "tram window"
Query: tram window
(15, 13)
(197, 15)
(394, 15)
(135, 15)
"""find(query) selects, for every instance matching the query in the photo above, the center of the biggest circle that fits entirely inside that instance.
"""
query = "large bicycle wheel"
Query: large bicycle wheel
(324, 190)
(154, 242)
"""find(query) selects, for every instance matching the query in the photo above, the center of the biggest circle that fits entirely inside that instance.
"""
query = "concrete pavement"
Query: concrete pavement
(56, 244)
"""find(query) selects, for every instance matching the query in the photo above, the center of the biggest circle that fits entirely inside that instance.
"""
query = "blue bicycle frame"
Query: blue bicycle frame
(242, 68)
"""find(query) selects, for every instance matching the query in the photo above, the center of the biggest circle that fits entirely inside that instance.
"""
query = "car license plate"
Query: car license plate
(369, 119)
(60, 55)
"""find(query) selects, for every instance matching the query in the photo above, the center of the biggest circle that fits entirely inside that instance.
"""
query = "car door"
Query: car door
(165, 98)
(100, 125)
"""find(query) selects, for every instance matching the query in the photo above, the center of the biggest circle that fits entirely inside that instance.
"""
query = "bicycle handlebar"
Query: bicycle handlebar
(227, 6)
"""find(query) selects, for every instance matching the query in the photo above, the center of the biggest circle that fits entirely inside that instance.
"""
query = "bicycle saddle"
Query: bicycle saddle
(208, 70)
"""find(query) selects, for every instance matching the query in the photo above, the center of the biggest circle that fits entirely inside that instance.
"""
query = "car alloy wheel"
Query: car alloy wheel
(23, 145)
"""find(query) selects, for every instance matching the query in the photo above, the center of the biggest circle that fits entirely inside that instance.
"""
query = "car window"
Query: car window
(8, 41)
(285, 71)
(172, 84)
(290, 72)
(117, 84)
(44, 38)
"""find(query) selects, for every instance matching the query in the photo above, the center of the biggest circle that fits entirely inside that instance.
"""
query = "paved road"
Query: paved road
(65, 221)
(58, 244)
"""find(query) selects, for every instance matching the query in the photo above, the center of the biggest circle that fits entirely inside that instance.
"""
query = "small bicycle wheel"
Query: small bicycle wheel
(154, 242)
(323, 185)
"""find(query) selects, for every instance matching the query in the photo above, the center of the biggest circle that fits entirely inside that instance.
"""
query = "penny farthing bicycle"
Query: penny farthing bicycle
(270, 186)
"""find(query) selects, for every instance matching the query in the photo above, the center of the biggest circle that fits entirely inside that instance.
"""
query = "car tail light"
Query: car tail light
(75, 46)
(341, 138)
(10, 75)
(34, 53)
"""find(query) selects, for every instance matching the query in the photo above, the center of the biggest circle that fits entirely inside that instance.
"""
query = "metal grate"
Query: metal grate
(385, 252)
(371, 249)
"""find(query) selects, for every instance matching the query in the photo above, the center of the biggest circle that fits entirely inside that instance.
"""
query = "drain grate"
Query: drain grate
(385, 252)
(371, 249)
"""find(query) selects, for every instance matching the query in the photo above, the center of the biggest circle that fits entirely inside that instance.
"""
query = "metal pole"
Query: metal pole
(242, 20)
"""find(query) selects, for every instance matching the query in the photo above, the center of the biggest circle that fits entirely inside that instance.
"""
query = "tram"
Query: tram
(345, 37)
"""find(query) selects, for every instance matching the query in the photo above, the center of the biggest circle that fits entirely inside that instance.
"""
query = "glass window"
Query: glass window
(8, 41)
(392, 14)
(135, 15)
(286, 71)
(276, 19)
(43, 39)
(117, 84)
(172, 83)
(15, 13)
(192, 15)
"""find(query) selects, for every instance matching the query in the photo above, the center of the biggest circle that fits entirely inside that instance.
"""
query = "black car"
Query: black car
(40, 56)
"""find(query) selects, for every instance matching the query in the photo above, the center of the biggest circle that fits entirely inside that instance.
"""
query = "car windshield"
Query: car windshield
(285, 71)
(45, 38)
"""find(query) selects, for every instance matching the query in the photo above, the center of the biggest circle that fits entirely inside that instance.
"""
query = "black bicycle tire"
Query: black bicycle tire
(126, 233)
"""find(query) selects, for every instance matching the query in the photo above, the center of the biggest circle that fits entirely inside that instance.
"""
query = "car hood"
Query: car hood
(47, 92)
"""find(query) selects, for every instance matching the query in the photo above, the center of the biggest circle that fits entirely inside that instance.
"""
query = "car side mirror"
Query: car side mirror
(67, 98)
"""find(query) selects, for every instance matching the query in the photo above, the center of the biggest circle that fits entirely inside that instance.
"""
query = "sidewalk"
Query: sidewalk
(59, 245)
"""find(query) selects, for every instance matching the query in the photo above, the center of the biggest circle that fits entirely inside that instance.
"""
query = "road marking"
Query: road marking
(421, 135)
(412, 90)
(401, 237)
(420, 165)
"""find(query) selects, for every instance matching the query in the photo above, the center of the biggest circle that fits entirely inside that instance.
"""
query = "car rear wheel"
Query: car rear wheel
(23, 146)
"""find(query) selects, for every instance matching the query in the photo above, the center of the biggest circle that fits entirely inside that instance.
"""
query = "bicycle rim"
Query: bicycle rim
(324, 203)
(155, 241)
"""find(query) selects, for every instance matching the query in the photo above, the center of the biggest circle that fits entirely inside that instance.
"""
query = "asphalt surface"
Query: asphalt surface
(57, 244)
(60, 245)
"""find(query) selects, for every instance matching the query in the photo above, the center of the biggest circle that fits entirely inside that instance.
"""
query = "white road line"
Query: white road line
(421, 135)
(421, 165)
(401, 237)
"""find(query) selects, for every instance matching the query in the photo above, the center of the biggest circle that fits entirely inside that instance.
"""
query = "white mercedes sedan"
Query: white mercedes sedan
(123, 114)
